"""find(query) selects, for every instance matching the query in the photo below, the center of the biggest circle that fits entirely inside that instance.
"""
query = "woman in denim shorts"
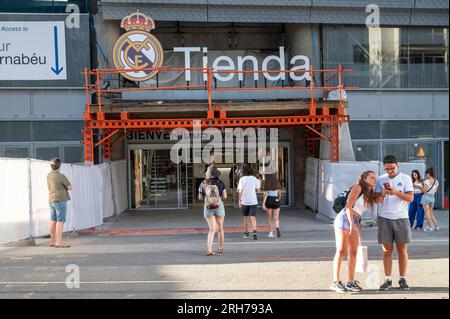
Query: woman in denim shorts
(347, 230)
(214, 217)
(430, 187)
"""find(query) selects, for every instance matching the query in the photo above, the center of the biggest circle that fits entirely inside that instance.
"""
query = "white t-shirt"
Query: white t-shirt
(427, 185)
(392, 207)
(249, 184)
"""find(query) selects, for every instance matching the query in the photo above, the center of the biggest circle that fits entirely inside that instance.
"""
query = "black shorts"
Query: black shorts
(272, 202)
(249, 210)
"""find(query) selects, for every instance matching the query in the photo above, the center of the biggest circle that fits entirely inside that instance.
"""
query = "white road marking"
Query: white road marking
(324, 242)
(89, 282)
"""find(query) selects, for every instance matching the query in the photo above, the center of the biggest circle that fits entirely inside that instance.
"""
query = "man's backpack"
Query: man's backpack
(212, 196)
(341, 201)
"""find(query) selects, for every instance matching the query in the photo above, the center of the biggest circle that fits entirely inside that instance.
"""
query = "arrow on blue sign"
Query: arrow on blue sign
(57, 70)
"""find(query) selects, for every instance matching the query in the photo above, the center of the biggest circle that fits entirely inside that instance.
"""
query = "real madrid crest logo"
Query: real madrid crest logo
(137, 48)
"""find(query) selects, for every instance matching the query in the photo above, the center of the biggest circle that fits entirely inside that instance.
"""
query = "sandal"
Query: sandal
(64, 245)
(220, 251)
(210, 253)
(52, 245)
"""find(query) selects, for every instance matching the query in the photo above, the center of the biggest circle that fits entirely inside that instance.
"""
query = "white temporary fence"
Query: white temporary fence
(334, 178)
(119, 183)
(14, 200)
(24, 209)
(311, 183)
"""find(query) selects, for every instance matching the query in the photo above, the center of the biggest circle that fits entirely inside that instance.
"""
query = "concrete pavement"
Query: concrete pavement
(298, 265)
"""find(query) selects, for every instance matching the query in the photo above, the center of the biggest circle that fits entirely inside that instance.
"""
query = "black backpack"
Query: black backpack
(341, 201)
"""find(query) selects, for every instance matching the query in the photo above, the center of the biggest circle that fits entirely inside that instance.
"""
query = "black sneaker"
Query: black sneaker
(255, 236)
(353, 286)
(386, 285)
(278, 232)
(246, 236)
(337, 286)
(403, 285)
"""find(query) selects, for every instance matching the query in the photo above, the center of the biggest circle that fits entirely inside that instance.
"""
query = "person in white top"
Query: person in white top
(347, 230)
(394, 191)
(248, 201)
(430, 187)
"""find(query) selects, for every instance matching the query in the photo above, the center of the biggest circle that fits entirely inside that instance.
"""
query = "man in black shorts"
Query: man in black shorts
(247, 187)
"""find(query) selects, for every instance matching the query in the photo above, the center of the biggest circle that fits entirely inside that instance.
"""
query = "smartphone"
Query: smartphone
(387, 185)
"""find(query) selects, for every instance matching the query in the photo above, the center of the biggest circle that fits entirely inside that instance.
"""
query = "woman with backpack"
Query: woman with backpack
(347, 230)
(429, 188)
(213, 191)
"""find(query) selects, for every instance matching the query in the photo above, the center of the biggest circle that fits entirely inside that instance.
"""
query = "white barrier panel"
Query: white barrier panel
(14, 200)
(23, 180)
(335, 178)
(86, 203)
(120, 190)
(311, 173)
(39, 197)
(84, 210)
(107, 194)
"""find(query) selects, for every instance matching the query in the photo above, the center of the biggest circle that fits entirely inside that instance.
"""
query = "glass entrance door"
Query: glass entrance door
(156, 181)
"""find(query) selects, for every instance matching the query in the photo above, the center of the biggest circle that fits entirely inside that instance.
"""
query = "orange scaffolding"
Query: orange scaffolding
(315, 120)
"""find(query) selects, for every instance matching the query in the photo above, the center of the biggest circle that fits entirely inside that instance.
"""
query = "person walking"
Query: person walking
(416, 208)
(347, 230)
(213, 191)
(430, 187)
(58, 186)
(271, 203)
(394, 191)
(248, 201)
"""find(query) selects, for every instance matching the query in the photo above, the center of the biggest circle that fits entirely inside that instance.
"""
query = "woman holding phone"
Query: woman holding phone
(347, 230)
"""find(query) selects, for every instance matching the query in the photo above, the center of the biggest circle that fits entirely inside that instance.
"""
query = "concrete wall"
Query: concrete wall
(398, 104)
(298, 160)
(49, 104)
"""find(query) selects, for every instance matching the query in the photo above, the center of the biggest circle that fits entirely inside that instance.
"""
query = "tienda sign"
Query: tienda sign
(225, 63)
(138, 49)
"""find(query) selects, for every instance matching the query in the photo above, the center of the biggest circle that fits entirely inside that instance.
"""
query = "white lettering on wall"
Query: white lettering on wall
(187, 58)
(305, 75)
(225, 63)
(281, 62)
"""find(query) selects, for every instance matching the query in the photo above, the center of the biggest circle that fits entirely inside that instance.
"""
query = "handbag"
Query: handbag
(430, 187)
(420, 204)
(362, 259)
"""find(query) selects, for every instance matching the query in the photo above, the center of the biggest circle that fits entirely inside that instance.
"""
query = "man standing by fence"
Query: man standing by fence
(58, 195)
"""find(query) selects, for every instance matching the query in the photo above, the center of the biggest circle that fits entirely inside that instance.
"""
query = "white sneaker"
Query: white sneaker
(436, 228)
(270, 235)
(428, 229)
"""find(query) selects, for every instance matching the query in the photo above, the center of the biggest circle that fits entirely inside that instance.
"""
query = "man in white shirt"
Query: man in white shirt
(248, 201)
(394, 191)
